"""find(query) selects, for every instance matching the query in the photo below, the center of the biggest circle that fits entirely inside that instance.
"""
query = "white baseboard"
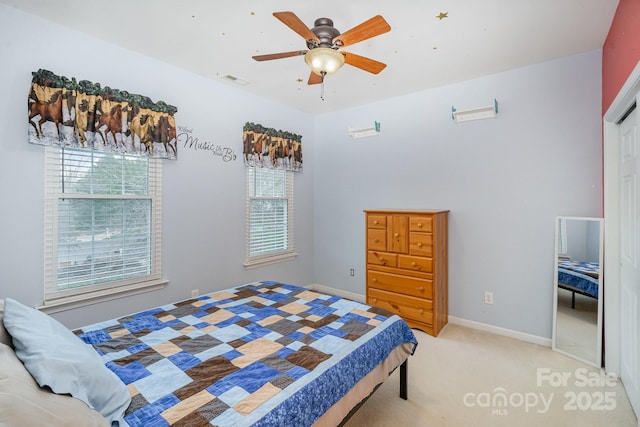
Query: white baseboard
(534, 339)
(336, 291)
(522, 336)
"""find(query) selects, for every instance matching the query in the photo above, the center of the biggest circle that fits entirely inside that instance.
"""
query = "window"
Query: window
(563, 244)
(270, 236)
(103, 230)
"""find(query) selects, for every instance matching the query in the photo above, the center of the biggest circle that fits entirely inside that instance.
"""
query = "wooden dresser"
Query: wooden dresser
(407, 265)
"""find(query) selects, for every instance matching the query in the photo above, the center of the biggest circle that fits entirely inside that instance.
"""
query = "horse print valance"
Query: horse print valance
(270, 148)
(67, 113)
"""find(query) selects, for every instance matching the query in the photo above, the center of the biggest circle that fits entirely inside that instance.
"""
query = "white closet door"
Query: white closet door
(629, 258)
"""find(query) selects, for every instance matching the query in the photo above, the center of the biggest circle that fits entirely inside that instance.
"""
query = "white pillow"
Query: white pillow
(57, 358)
(23, 403)
(5, 338)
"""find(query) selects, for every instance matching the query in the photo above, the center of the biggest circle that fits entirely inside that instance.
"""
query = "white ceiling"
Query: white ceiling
(216, 38)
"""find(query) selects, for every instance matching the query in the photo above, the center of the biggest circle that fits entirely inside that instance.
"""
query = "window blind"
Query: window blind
(562, 237)
(103, 227)
(270, 213)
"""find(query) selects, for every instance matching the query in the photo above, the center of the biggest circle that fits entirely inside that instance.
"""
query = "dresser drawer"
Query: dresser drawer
(422, 288)
(415, 263)
(382, 258)
(405, 306)
(421, 244)
(377, 239)
(421, 223)
(376, 221)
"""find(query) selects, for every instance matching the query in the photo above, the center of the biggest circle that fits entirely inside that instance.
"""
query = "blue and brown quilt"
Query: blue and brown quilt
(265, 354)
(580, 275)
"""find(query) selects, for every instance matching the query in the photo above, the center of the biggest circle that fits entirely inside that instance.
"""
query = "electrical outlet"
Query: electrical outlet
(352, 272)
(195, 292)
(488, 297)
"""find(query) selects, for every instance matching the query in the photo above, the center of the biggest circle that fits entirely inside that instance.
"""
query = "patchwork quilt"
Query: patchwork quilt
(264, 354)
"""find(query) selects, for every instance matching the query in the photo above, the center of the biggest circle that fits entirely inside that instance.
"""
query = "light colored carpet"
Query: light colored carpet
(466, 377)
(577, 328)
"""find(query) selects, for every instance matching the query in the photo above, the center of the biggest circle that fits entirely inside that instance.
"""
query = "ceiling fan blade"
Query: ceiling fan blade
(292, 21)
(371, 28)
(279, 55)
(364, 63)
(314, 79)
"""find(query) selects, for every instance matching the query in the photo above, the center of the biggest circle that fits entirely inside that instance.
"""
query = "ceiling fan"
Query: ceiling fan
(324, 40)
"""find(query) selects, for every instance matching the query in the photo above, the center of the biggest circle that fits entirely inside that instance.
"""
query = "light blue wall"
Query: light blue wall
(204, 197)
(504, 180)
(583, 240)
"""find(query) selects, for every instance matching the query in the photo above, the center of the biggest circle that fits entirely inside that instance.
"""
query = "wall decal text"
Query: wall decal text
(189, 141)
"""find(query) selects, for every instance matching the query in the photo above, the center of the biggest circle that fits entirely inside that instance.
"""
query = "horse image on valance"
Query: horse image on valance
(270, 148)
(67, 113)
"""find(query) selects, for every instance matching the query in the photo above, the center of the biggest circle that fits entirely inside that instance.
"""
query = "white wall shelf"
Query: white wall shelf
(362, 133)
(475, 114)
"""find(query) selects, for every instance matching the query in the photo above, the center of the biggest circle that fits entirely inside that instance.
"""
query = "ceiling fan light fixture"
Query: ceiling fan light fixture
(324, 61)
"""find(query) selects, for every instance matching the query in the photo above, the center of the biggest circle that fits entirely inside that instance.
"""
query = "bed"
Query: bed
(578, 277)
(263, 354)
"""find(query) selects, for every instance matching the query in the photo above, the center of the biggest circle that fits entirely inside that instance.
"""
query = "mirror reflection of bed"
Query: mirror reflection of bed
(578, 285)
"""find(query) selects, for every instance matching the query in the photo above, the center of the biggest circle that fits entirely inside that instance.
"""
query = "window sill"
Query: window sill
(69, 303)
(260, 262)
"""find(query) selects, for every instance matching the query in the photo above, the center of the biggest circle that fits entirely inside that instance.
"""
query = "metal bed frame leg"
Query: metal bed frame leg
(403, 379)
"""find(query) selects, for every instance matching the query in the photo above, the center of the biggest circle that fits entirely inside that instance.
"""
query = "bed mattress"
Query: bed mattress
(262, 354)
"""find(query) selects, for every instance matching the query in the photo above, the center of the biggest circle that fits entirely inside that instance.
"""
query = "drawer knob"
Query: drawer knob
(421, 311)
(421, 289)
(375, 300)
(419, 225)
(375, 222)
(414, 263)
(395, 234)
(376, 240)
(419, 245)
(374, 280)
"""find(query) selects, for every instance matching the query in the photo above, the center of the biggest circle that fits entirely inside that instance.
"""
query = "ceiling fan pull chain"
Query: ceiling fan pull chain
(323, 73)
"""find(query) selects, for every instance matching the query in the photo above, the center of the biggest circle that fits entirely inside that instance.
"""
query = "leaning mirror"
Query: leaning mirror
(578, 279)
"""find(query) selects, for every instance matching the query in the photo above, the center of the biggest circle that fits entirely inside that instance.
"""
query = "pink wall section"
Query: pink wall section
(621, 50)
